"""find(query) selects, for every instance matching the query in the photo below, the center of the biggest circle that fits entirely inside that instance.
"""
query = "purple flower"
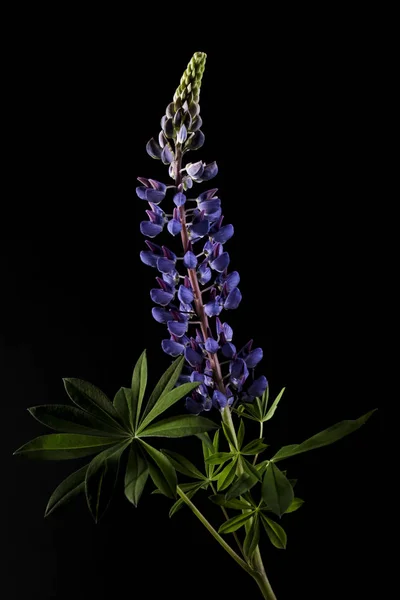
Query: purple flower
(254, 358)
(211, 345)
(224, 234)
(190, 260)
(256, 389)
(179, 199)
(185, 294)
(220, 400)
(172, 348)
(151, 190)
(204, 273)
(238, 373)
(194, 357)
(233, 299)
(221, 262)
(214, 307)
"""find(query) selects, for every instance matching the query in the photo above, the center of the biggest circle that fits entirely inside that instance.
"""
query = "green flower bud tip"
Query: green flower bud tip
(189, 87)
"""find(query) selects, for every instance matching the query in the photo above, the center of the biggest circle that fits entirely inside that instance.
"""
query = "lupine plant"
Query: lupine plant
(196, 290)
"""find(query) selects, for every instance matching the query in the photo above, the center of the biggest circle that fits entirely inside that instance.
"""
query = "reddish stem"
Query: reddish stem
(198, 301)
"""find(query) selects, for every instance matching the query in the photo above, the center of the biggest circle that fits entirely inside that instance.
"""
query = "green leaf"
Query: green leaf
(245, 415)
(180, 503)
(136, 475)
(123, 403)
(242, 485)
(324, 438)
(285, 452)
(73, 485)
(207, 444)
(258, 403)
(101, 477)
(161, 471)
(139, 382)
(262, 465)
(297, 502)
(252, 538)
(277, 492)
(229, 436)
(275, 532)
(208, 449)
(165, 384)
(69, 419)
(250, 469)
(219, 458)
(240, 435)
(188, 487)
(274, 406)
(227, 475)
(62, 446)
(167, 401)
(176, 427)
(235, 503)
(92, 400)
(216, 440)
(183, 465)
(235, 523)
(264, 401)
(293, 482)
(253, 411)
(254, 447)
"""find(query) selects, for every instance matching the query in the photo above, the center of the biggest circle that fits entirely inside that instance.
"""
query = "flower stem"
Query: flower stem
(239, 545)
(259, 573)
(214, 533)
(260, 436)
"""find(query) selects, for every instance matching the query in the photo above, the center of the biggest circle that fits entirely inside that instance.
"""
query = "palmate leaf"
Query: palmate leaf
(92, 400)
(180, 503)
(227, 475)
(324, 438)
(250, 469)
(183, 465)
(240, 434)
(136, 474)
(243, 484)
(62, 446)
(275, 532)
(277, 492)
(252, 538)
(219, 458)
(161, 471)
(165, 384)
(235, 503)
(124, 405)
(70, 419)
(209, 448)
(167, 401)
(101, 477)
(176, 427)
(73, 485)
(297, 502)
(235, 523)
(139, 382)
(254, 447)
(274, 406)
(229, 436)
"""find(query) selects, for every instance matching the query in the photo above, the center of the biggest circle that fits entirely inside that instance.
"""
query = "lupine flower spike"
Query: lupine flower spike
(196, 286)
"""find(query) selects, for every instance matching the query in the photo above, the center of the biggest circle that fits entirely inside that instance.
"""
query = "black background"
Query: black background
(284, 115)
